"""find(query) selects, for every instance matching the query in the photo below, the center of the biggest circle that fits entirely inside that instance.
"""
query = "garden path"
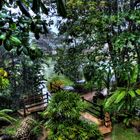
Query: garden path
(44, 134)
(89, 96)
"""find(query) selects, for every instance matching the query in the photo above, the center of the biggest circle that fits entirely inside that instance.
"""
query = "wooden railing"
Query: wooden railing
(34, 101)
(95, 109)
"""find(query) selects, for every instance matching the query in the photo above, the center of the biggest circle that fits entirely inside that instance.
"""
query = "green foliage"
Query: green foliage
(121, 97)
(4, 82)
(5, 99)
(37, 128)
(65, 106)
(122, 104)
(96, 25)
(64, 122)
(69, 63)
(5, 117)
(80, 131)
(32, 76)
(138, 91)
(15, 25)
(58, 81)
(12, 129)
(89, 72)
(89, 86)
(120, 132)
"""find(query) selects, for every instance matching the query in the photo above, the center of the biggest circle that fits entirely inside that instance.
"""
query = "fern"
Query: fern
(5, 117)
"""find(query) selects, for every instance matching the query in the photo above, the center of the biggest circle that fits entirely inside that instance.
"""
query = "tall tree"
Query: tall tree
(110, 30)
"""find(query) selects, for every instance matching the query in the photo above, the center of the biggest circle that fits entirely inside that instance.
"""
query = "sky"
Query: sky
(52, 28)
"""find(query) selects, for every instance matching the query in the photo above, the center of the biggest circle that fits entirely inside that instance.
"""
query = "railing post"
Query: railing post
(24, 108)
(83, 98)
(107, 120)
(47, 97)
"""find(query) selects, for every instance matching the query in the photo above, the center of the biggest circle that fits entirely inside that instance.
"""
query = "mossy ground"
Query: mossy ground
(120, 132)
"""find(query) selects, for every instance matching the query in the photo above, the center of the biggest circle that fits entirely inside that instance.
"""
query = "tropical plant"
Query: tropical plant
(5, 117)
(125, 96)
(122, 96)
(122, 104)
(64, 122)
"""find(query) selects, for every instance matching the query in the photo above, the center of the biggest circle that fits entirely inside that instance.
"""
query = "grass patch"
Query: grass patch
(64, 79)
(120, 132)
(11, 129)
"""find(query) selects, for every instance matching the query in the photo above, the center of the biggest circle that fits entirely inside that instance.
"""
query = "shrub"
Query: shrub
(58, 81)
(64, 122)
(12, 129)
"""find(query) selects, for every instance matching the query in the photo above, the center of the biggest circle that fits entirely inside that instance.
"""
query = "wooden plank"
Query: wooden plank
(36, 104)
(34, 97)
(105, 130)
(91, 118)
(102, 128)
(37, 108)
(21, 112)
(32, 110)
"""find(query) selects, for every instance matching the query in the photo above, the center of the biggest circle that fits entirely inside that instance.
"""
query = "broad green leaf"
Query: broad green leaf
(3, 37)
(120, 96)
(120, 105)
(134, 74)
(6, 111)
(132, 93)
(15, 40)
(138, 91)
(111, 99)
(1, 71)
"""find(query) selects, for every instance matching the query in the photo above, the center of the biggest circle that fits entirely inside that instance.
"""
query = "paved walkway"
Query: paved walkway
(107, 137)
(89, 96)
(44, 134)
